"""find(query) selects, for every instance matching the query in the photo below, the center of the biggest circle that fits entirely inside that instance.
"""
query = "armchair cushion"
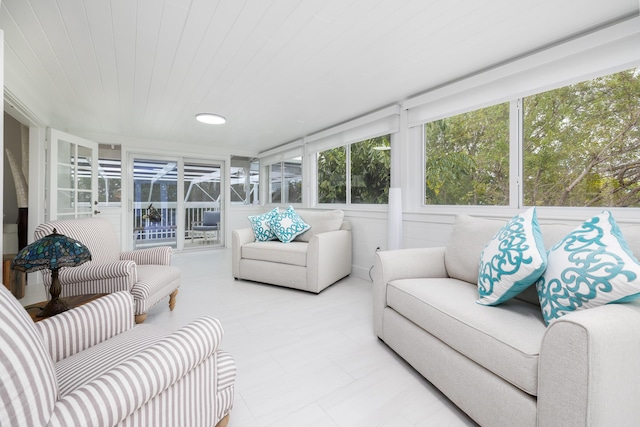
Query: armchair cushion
(320, 222)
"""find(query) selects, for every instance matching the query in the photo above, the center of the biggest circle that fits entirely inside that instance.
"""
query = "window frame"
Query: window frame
(348, 202)
(516, 166)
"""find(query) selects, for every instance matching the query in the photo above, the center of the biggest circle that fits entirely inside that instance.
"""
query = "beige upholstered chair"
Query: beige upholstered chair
(145, 273)
(91, 366)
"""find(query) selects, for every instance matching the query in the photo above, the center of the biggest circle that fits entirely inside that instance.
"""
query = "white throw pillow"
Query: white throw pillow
(287, 225)
(590, 267)
(260, 225)
(513, 260)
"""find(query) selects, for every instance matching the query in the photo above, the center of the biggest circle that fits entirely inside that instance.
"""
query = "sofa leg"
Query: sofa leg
(140, 318)
(223, 422)
(172, 300)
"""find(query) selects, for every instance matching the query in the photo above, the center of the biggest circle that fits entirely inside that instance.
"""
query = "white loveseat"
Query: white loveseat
(311, 262)
(502, 365)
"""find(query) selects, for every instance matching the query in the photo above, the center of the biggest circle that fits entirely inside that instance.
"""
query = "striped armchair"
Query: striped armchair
(146, 273)
(91, 366)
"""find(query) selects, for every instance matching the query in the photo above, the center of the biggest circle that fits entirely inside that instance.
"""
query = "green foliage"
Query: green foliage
(369, 170)
(332, 176)
(581, 148)
(467, 158)
(582, 143)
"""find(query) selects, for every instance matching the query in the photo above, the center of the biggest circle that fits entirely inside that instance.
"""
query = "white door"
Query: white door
(73, 176)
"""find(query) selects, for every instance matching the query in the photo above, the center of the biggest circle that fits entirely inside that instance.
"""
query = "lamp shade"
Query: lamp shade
(53, 252)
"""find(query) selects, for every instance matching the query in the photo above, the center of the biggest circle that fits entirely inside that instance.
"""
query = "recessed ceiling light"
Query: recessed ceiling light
(210, 118)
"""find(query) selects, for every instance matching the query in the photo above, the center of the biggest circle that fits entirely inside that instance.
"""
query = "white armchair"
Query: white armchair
(145, 273)
(312, 262)
(90, 366)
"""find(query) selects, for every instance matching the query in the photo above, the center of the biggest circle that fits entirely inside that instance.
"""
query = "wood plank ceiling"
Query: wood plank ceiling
(277, 69)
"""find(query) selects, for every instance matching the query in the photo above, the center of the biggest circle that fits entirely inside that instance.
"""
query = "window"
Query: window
(245, 180)
(582, 143)
(109, 175)
(367, 163)
(285, 181)
(467, 158)
(579, 145)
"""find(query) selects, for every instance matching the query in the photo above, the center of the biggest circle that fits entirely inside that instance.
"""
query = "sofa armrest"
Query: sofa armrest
(239, 237)
(138, 380)
(588, 368)
(80, 328)
(328, 258)
(402, 264)
(149, 256)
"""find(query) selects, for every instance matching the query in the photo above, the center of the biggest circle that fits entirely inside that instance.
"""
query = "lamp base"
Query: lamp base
(53, 307)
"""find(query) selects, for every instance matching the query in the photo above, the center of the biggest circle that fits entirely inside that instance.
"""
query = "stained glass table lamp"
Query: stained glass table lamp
(53, 252)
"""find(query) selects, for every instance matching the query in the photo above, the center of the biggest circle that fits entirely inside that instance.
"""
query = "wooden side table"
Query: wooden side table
(15, 281)
(74, 301)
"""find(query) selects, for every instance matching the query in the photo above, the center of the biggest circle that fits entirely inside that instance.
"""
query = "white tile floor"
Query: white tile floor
(303, 359)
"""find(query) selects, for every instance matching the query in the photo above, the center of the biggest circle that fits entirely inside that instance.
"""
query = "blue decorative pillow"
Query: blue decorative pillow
(287, 225)
(589, 267)
(260, 225)
(513, 260)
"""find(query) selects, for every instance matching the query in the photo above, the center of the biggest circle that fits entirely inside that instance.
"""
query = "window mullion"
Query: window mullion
(348, 171)
(515, 154)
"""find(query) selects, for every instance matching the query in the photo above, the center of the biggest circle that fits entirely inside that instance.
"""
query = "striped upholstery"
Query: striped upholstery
(76, 330)
(88, 365)
(97, 234)
(28, 388)
(154, 283)
(110, 372)
(226, 383)
(146, 273)
(157, 256)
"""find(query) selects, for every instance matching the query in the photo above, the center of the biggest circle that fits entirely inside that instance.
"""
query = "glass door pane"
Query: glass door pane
(155, 196)
(203, 203)
(72, 176)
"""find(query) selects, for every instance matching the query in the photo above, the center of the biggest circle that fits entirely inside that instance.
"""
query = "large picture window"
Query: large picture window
(582, 143)
(367, 166)
(578, 145)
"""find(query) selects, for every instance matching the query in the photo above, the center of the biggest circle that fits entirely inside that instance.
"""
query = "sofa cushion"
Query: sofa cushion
(468, 239)
(589, 267)
(294, 253)
(513, 260)
(320, 222)
(504, 339)
(260, 226)
(287, 225)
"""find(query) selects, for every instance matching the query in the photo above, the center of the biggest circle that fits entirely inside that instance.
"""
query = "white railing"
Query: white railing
(145, 229)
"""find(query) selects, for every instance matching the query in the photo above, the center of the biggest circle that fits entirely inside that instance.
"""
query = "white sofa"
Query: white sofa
(311, 262)
(502, 365)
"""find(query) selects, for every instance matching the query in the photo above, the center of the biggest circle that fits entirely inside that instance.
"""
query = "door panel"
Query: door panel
(73, 176)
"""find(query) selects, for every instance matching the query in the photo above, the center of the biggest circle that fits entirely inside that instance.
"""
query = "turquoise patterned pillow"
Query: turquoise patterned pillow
(589, 267)
(513, 260)
(261, 228)
(287, 225)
